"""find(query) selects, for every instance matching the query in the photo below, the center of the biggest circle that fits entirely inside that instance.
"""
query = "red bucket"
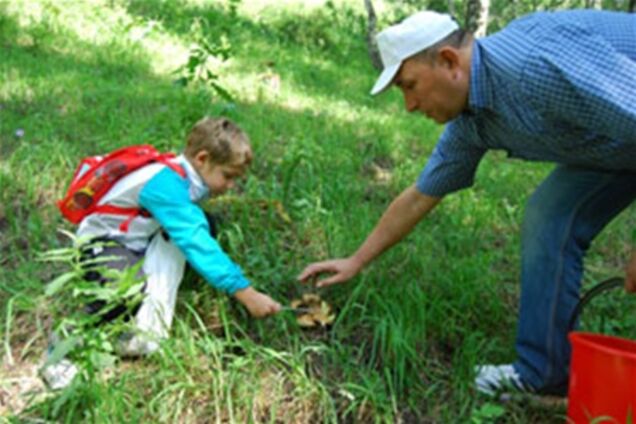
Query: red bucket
(602, 379)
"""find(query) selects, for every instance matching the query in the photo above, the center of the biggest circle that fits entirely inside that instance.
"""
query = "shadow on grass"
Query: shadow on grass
(317, 52)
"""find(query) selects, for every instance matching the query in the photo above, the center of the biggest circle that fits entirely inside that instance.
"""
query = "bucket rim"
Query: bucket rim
(583, 337)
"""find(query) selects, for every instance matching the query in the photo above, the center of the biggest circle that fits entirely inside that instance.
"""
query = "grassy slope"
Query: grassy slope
(410, 328)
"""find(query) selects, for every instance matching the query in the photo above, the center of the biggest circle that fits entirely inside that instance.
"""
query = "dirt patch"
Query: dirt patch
(379, 170)
(20, 385)
(279, 397)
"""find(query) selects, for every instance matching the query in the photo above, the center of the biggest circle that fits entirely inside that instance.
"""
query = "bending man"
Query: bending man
(557, 87)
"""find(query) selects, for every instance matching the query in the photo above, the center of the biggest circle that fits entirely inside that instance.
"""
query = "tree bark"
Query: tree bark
(477, 16)
(372, 46)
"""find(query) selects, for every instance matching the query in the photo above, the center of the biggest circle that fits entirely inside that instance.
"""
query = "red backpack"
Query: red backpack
(96, 175)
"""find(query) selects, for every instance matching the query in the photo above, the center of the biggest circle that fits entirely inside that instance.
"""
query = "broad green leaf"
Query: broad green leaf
(63, 400)
(107, 346)
(102, 360)
(133, 290)
(57, 284)
(96, 293)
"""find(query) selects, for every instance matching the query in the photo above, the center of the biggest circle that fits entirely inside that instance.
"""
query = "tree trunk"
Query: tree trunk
(477, 16)
(632, 6)
(595, 4)
(451, 7)
(372, 46)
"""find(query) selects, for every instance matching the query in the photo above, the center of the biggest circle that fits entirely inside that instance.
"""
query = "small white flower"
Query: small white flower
(19, 133)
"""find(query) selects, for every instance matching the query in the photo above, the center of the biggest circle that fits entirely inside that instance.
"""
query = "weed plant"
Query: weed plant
(79, 307)
(82, 78)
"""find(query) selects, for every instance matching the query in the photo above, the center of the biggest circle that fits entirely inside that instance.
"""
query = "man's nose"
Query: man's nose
(410, 103)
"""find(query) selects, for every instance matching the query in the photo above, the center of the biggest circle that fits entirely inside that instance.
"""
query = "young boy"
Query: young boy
(173, 230)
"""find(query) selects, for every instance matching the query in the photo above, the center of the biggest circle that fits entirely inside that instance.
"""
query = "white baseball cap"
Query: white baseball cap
(401, 41)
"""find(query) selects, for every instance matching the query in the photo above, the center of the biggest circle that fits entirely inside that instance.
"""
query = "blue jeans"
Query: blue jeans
(562, 218)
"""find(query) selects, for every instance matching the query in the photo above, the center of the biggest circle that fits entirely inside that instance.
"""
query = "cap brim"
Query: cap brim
(385, 79)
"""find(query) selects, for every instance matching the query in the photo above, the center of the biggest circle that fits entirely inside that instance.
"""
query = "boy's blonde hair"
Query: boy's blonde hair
(226, 143)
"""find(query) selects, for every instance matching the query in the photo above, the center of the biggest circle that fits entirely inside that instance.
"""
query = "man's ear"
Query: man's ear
(448, 57)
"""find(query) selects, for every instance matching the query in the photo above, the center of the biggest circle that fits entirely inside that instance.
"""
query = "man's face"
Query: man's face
(438, 89)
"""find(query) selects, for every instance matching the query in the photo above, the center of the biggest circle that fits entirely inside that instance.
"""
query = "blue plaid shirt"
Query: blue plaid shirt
(557, 87)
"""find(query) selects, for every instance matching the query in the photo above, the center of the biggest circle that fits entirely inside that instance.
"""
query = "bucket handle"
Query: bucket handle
(601, 287)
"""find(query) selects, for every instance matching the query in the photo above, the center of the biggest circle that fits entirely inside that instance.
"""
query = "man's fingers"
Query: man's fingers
(313, 269)
(341, 270)
(307, 272)
(305, 275)
(329, 281)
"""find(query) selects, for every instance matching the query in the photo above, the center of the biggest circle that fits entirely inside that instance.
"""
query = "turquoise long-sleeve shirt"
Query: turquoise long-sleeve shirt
(167, 197)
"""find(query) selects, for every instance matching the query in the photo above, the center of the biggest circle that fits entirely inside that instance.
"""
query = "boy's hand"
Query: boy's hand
(343, 270)
(258, 304)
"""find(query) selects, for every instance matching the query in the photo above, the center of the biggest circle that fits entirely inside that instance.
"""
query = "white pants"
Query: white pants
(164, 265)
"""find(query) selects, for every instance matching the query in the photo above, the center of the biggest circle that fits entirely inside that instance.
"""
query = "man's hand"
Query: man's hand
(343, 269)
(630, 275)
(404, 212)
(258, 304)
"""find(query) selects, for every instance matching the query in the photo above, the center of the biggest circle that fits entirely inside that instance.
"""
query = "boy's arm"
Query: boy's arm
(166, 197)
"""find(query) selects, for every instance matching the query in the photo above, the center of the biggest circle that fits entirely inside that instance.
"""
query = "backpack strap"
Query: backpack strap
(133, 213)
(167, 159)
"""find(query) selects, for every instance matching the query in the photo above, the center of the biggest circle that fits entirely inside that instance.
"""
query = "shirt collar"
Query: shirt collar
(198, 189)
(480, 94)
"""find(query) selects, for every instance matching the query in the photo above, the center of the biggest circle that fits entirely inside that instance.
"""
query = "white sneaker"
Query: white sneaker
(492, 379)
(135, 345)
(59, 375)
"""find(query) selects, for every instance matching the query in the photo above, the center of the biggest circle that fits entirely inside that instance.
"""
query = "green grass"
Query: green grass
(82, 79)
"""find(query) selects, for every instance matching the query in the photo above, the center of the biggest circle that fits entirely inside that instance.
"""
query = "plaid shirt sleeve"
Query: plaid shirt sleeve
(453, 163)
(584, 82)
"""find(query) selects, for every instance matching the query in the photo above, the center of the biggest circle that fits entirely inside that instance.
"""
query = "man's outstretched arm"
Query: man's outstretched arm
(406, 210)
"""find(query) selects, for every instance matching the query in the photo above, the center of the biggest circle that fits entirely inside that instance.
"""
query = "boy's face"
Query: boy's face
(219, 178)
